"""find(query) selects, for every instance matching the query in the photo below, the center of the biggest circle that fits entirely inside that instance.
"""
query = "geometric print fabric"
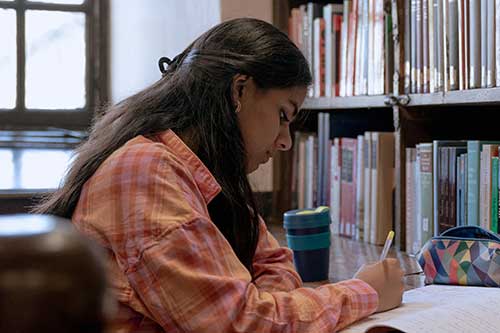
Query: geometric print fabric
(462, 262)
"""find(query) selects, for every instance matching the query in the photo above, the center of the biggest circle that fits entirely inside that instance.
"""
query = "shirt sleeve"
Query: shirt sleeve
(273, 265)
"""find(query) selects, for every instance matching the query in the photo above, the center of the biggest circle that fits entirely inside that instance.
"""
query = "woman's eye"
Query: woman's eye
(283, 117)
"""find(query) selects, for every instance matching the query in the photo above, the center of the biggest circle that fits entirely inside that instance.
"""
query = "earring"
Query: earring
(238, 107)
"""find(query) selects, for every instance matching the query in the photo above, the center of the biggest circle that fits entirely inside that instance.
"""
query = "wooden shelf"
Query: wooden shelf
(354, 102)
(483, 96)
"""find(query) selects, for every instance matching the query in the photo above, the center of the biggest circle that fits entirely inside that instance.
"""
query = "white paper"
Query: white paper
(438, 309)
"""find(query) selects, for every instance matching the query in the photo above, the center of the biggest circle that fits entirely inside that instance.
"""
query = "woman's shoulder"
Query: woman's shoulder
(142, 152)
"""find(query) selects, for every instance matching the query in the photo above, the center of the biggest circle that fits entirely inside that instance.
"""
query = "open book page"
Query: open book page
(438, 309)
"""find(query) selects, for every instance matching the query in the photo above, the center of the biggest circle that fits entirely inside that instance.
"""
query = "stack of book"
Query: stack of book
(354, 176)
(451, 45)
(450, 183)
(349, 46)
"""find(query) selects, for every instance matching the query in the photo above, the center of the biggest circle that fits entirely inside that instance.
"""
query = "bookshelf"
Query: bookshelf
(471, 114)
(356, 102)
(473, 97)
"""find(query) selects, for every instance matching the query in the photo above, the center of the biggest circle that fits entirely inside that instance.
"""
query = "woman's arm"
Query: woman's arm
(193, 281)
(273, 265)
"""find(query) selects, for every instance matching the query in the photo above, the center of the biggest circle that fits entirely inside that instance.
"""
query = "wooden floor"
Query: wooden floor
(346, 256)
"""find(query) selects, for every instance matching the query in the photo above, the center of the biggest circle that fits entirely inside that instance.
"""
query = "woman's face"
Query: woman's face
(265, 118)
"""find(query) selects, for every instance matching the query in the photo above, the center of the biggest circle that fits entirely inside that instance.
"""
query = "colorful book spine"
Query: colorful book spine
(494, 194)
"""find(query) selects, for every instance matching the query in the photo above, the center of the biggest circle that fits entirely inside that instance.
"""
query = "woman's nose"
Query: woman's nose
(284, 140)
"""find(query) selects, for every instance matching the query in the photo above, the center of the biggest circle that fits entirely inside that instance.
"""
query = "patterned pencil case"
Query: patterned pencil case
(466, 255)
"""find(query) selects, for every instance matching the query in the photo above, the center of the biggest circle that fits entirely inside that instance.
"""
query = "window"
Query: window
(53, 62)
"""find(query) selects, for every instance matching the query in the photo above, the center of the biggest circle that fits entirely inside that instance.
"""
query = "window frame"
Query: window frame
(96, 68)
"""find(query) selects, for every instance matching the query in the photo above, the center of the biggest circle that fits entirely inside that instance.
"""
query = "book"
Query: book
(319, 56)
(474, 43)
(437, 166)
(367, 157)
(484, 42)
(494, 194)
(382, 186)
(348, 147)
(407, 43)
(344, 49)
(335, 159)
(491, 48)
(453, 44)
(474, 148)
(411, 155)
(424, 154)
(360, 186)
(438, 309)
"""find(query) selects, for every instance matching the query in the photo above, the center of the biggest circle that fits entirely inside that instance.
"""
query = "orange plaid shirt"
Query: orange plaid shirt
(171, 269)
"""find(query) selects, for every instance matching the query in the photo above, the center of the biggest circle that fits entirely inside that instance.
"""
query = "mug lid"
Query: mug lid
(306, 218)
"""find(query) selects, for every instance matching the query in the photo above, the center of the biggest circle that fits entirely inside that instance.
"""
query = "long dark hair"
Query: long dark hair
(195, 96)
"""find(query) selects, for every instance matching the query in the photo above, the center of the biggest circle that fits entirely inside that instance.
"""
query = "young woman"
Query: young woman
(162, 184)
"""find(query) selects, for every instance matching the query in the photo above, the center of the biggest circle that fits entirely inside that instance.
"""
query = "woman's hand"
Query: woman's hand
(386, 277)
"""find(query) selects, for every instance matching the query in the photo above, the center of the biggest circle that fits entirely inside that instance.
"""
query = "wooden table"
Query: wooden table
(346, 256)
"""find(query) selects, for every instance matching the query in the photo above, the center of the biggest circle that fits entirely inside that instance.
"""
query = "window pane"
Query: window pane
(69, 2)
(43, 168)
(8, 60)
(55, 60)
(7, 167)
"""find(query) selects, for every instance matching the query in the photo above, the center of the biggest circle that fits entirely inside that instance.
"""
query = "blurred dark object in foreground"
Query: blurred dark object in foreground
(52, 279)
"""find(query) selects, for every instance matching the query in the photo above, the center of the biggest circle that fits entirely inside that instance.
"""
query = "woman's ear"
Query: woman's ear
(239, 84)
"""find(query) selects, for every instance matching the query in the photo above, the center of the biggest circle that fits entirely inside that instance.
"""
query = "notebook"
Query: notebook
(438, 309)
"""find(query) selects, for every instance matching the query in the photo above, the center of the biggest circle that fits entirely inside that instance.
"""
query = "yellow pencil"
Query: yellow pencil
(387, 245)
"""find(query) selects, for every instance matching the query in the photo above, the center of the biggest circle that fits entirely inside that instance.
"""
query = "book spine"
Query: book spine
(344, 48)
(348, 176)
(360, 54)
(432, 65)
(446, 48)
(418, 45)
(466, 31)
(475, 44)
(461, 45)
(494, 194)
(379, 49)
(413, 64)
(407, 47)
(388, 72)
(497, 42)
(326, 160)
(374, 188)
(337, 52)
(459, 191)
(360, 184)
(473, 182)
(367, 190)
(351, 50)
(327, 17)
(319, 57)
(435, 185)
(484, 42)
(410, 198)
(417, 230)
(424, 151)
(452, 190)
(425, 46)
(439, 46)
(453, 44)
(491, 57)
(371, 47)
